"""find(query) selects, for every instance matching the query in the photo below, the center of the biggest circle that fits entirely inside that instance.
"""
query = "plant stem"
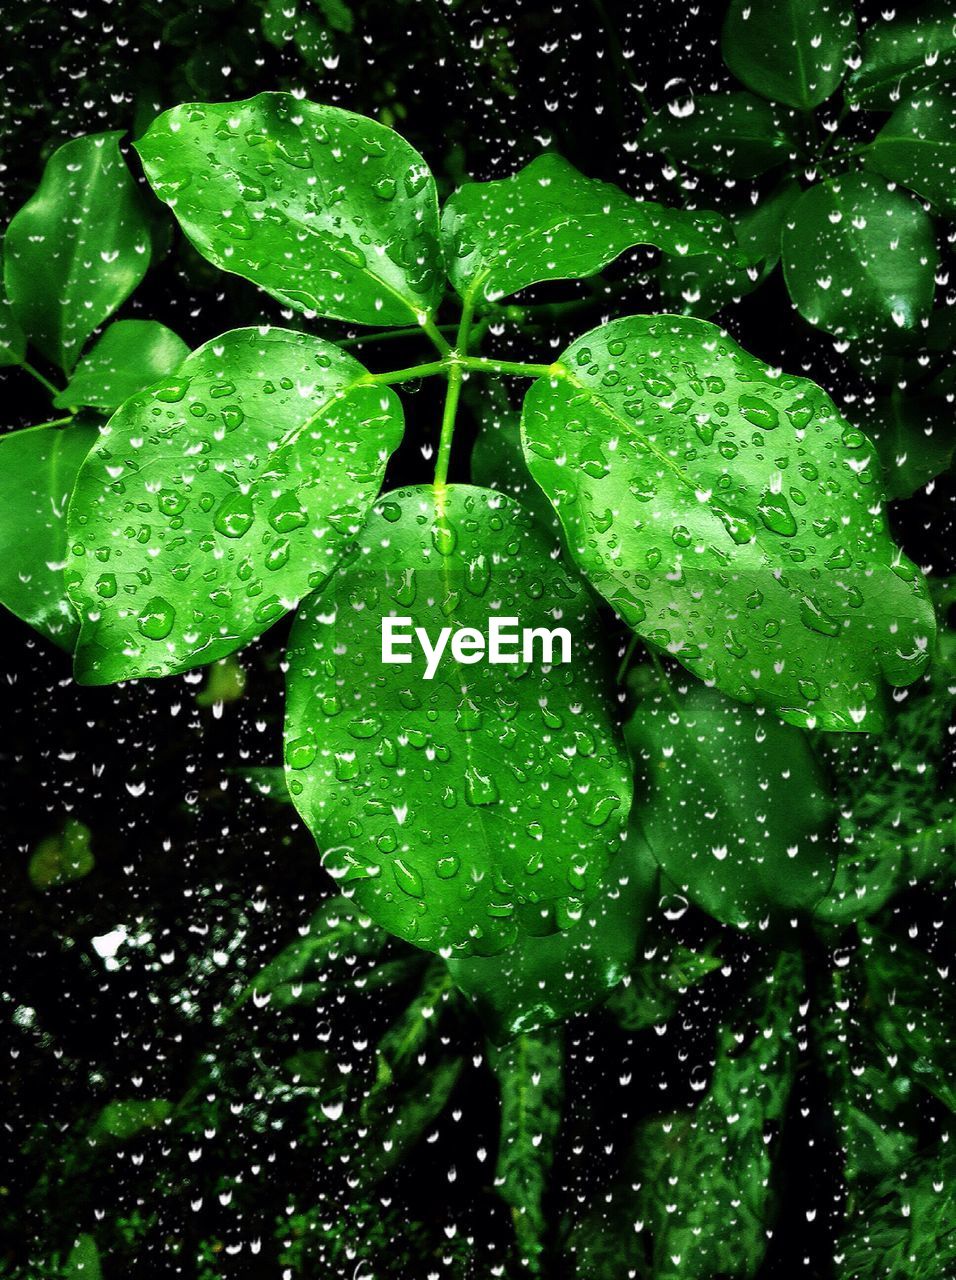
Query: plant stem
(437, 337)
(35, 373)
(387, 335)
(40, 426)
(628, 655)
(485, 364)
(455, 375)
(405, 375)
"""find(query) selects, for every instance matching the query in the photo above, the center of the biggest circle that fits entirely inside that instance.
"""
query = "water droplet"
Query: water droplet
(156, 620)
(758, 412)
(234, 516)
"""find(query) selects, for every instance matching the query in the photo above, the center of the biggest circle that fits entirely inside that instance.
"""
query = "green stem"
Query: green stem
(628, 655)
(35, 373)
(40, 426)
(387, 335)
(437, 337)
(405, 375)
(449, 413)
(484, 364)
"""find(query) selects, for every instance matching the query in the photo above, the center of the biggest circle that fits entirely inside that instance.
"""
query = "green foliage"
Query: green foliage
(77, 249)
(124, 1119)
(418, 786)
(130, 355)
(790, 51)
(744, 518)
(911, 51)
(917, 148)
(733, 805)
(733, 133)
(235, 516)
(328, 211)
(915, 436)
(530, 1074)
(62, 858)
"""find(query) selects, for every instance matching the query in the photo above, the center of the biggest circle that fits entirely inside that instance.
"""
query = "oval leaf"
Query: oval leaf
(78, 247)
(482, 804)
(911, 50)
(38, 468)
(730, 516)
(917, 147)
(727, 133)
(860, 256)
(732, 803)
(326, 210)
(130, 355)
(218, 497)
(549, 222)
(790, 51)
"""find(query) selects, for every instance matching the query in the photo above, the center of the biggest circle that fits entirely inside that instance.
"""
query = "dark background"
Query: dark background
(209, 877)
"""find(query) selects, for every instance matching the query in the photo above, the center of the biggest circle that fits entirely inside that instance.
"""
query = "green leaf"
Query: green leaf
(860, 256)
(714, 1164)
(759, 228)
(910, 51)
(530, 1074)
(730, 516)
(917, 148)
(125, 1119)
(543, 980)
(218, 497)
(78, 247)
(549, 222)
(484, 803)
(791, 51)
(728, 133)
(732, 804)
(62, 858)
(13, 341)
(651, 995)
(130, 355)
(83, 1262)
(38, 468)
(328, 211)
(915, 436)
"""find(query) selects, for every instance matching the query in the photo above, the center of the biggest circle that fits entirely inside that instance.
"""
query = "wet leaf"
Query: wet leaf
(915, 436)
(13, 342)
(727, 133)
(860, 256)
(326, 210)
(125, 1119)
(130, 355)
(917, 148)
(83, 1262)
(731, 803)
(38, 468)
(731, 517)
(791, 51)
(484, 803)
(218, 497)
(62, 858)
(78, 247)
(910, 50)
(497, 461)
(549, 222)
(530, 1074)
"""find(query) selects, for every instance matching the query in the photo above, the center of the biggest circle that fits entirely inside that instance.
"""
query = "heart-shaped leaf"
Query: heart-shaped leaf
(216, 499)
(730, 516)
(484, 803)
(326, 210)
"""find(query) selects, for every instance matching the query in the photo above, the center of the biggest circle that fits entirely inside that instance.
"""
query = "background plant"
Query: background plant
(673, 954)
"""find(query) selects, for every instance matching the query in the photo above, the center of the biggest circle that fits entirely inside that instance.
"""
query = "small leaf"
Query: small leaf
(38, 468)
(482, 803)
(328, 211)
(730, 516)
(728, 133)
(125, 1119)
(530, 1074)
(732, 804)
(910, 49)
(549, 222)
(83, 1262)
(791, 51)
(218, 497)
(543, 980)
(915, 436)
(62, 858)
(917, 148)
(130, 355)
(859, 257)
(78, 247)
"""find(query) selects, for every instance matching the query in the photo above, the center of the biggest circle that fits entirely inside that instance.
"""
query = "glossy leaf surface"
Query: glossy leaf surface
(727, 133)
(326, 210)
(790, 51)
(218, 497)
(481, 805)
(13, 341)
(917, 148)
(130, 355)
(731, 517)
(915, 436)
(38, 469)
(860, 256)
(549, 222)
(912, 49)
(732, 804)
(78, 247)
